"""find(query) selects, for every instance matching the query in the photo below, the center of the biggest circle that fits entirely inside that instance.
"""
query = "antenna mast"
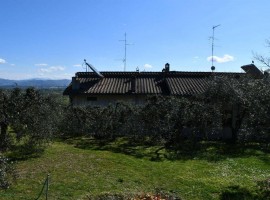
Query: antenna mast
(125, 56)
(213, 39)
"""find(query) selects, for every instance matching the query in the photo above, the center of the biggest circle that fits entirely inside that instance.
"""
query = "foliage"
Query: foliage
(6, 170)
(248, 99)
(76, 121)
(4, 139)
(255, 125)
(33, 117)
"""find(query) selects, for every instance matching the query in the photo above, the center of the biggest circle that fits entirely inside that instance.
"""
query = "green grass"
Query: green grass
(85, 167)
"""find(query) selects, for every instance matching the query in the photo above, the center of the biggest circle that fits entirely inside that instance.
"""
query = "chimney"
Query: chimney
(167, 68)
(75, 83)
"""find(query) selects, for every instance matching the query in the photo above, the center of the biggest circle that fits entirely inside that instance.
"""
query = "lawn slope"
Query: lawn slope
(79, 169)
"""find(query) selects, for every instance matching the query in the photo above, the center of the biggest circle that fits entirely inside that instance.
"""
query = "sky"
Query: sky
(49, 39)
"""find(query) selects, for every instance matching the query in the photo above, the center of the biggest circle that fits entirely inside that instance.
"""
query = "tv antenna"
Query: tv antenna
(125, 56)
(213, 40)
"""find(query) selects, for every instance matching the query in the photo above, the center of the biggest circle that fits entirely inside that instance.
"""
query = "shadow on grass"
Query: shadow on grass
(25, 152)
(137, 149)
(217, 151)
(210, 151)
(236, 193)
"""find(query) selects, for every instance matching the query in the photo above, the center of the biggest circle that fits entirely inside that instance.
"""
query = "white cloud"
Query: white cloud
(41, 65)
(52, 69)
(224, 59)
(77, 65)
(147, 66)
(2, 61)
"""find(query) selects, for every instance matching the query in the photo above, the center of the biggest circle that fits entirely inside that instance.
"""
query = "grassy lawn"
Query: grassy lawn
(81, 168)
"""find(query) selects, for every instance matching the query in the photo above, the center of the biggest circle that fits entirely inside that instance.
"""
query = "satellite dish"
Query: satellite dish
(94, 69)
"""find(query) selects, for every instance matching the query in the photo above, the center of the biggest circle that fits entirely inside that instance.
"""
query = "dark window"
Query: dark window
(91, 98)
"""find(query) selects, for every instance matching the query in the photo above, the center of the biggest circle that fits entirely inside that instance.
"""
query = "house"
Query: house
(101, 89)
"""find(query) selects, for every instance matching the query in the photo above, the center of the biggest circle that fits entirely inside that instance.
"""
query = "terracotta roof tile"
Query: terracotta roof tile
(169, 83)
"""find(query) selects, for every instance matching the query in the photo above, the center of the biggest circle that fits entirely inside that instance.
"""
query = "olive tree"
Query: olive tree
(248, 100)
(29, 114)
(255, 125)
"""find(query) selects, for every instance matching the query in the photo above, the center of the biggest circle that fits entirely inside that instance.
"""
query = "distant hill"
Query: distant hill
(38, 83)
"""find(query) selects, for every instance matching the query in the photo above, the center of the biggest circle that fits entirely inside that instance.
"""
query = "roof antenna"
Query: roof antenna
(125, 56)
(213, 39)
(93, 69)
(84, 65)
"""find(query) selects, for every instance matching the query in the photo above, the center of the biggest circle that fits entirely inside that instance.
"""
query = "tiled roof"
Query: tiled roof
(167, 83)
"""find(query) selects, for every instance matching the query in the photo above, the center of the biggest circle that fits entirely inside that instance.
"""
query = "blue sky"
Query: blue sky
(51, 38)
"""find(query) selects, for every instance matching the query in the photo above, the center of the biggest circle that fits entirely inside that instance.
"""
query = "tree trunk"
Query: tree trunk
(3, 136)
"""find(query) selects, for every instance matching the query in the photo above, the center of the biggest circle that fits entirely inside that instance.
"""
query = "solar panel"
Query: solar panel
(252, 70)
(94, 69)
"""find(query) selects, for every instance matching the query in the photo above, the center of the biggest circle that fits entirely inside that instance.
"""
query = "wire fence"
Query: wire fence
(45, 188)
